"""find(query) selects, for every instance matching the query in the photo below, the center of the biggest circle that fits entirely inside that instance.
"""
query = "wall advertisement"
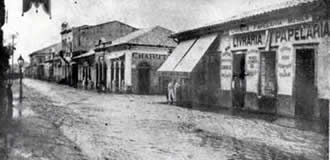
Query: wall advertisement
(285, 69)
(226, 70)
(252, 70)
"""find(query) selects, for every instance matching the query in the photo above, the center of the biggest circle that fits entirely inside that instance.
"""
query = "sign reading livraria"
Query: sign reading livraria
(226, 70)
(252, 70)
(256, 39)
(285, 69)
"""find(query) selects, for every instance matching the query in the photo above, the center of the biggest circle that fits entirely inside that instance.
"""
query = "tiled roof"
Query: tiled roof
(90, 53)
(57, 47)
(149, 36)
(263, 10)
(255, 12)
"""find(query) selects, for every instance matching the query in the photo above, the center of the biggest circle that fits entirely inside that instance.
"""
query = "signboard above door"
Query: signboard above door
(271, 24)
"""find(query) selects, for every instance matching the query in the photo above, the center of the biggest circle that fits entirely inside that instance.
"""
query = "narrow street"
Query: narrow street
(90, 125)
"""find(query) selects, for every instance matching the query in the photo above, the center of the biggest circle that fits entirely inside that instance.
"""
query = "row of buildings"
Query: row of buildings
(111, 56)
(275, 59)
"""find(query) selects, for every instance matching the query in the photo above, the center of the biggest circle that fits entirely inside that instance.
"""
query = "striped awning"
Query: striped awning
(177, 55)
(187, 54)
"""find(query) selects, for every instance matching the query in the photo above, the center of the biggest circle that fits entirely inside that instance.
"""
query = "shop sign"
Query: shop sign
(148, 56)
(272, 24)
(226, 70)
(303, 32)
(255, 39)
(252, 70)
(285, 69)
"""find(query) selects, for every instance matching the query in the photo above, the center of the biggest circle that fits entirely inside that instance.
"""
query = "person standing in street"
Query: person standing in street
(170, 88)
(177, 92)
(237, 85)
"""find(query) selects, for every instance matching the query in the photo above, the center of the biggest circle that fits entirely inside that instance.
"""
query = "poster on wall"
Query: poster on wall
(226, 70)
(252, 70)
(285, 69)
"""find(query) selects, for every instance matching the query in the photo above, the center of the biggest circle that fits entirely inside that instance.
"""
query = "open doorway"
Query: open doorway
(74, 82)
(143, 78)
(238, 85)
(305, 90)
(268, 87)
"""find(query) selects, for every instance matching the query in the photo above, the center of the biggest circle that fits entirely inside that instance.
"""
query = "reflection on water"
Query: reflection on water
(21, 111)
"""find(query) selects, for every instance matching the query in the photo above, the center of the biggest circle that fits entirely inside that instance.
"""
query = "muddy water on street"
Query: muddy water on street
(126, 127)
(30, 136)
(237, 149)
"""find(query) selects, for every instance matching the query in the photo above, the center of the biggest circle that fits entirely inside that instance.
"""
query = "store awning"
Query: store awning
(179, 52)
(189, 62)
(187, 54)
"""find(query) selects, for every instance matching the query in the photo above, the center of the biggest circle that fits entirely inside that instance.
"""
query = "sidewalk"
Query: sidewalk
(32, 136)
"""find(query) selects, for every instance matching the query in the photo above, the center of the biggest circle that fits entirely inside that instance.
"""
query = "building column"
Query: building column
(115, 77)
(128, 69)
(55, 70)
(100, 74)
(119, 75)
(109, 75)
(103, 74)
(97, 74)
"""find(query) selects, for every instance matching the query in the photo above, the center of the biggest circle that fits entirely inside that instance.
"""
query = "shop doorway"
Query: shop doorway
(305, 90)
(143, 78)
(268, 88)
(238, 84)
(74, 72)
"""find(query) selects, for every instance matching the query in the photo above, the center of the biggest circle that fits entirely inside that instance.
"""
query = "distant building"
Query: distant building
(128, 63)
(41, 63)
(79, 40)
(274, 59)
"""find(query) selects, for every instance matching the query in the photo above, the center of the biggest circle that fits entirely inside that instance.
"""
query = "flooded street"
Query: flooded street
(31, 135)
(77, 124)
(164, 80)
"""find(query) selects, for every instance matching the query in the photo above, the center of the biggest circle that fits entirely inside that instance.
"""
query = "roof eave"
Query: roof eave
(192, 33)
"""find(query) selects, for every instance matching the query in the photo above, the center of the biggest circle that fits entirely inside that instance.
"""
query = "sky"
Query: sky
(36, 30)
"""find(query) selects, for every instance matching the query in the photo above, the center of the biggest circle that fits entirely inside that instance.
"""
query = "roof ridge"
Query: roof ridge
(48, 46)
(252, 12)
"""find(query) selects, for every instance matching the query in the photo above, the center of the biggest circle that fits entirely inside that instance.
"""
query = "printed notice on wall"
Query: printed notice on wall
(226, 70)
(252, 70)
(285, 69)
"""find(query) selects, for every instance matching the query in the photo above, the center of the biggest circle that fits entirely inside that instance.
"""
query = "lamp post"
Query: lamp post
(20, 62)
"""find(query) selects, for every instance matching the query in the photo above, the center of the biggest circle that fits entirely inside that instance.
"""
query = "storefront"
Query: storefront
(84, 64)
(132, 70)
(274, 62)
(279, 66)
(129, 64)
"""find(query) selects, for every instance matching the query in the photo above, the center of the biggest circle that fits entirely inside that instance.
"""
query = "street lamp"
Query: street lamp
(20, 62)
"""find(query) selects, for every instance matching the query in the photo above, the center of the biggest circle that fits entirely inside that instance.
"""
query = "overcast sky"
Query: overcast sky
(37, 30)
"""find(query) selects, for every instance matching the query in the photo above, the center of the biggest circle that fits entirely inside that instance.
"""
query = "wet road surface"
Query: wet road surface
(31, 136)
(121, 127)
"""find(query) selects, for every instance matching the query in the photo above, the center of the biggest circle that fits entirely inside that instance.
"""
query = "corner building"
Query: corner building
(274, 60)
